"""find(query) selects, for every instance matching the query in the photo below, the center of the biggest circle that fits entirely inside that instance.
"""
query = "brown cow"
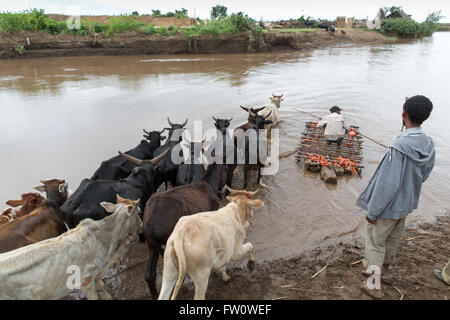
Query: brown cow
(28, 201)
(45, 222)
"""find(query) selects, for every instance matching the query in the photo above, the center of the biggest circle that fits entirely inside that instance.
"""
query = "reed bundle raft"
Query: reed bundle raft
(332, 160)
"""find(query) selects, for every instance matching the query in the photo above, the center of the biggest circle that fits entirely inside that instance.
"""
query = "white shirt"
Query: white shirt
(335, 126)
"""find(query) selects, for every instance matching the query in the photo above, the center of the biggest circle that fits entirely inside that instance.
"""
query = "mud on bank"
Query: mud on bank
(422, 250)
(41, 45)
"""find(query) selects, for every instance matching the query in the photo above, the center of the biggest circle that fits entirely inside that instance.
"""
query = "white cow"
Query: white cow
(53, 268)
(206, 241)
(271, 111)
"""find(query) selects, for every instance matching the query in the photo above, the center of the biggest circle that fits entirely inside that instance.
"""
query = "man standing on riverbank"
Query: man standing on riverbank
(394, 190)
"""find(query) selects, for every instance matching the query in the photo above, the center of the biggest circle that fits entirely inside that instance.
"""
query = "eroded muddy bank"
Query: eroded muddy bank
(41, 45)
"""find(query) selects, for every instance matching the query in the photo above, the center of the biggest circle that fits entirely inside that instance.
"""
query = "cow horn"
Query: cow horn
(245, 109)
(162, 130)
(282, 95)
(119, 198)
(252, 194)
(214, 118)
(155, 161)
(184, 123)
(229, 120)
(145, 131)
(273, 94)
(170, 122)
(131, 158)
(229, 189)
(268, 115)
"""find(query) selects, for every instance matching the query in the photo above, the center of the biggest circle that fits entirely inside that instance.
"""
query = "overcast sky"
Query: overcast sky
(265, 9)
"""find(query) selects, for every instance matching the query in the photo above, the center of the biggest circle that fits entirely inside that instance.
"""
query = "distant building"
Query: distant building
(398, 14)
(375, 24)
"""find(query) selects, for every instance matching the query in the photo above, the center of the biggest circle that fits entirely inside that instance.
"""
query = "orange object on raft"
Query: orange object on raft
(340, 161)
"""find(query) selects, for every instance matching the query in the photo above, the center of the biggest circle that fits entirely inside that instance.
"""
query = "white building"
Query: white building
(376, 23)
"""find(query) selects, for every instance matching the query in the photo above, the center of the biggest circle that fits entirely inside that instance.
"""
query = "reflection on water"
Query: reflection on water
(63, 116)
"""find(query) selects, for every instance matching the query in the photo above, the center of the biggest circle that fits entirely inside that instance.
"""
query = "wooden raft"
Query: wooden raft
(330, 160)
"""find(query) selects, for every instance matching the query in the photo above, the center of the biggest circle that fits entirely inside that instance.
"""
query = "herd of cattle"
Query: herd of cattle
(46, 238)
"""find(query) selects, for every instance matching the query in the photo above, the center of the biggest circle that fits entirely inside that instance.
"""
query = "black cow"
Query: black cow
(167, 169)
(193, 169)
(324, 26)
(164, 209)
(255, 122)
(117, 167)
(222, 124)
(85, 201)
(309, 23)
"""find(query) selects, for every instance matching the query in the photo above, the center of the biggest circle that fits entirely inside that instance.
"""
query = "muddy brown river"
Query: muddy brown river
(61, 117)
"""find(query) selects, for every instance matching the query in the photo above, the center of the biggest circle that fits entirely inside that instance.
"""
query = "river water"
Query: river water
(62, 116)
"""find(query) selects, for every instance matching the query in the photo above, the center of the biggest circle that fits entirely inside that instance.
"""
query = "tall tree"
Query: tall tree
(218, 11)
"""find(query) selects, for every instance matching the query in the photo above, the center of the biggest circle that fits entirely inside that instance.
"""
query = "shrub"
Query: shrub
(156, 13)
(123, 23)
(11, 22)
(242, 22)
(180, 14)
(404, 27)
(20, 49)
(401, 27)
(237, 22)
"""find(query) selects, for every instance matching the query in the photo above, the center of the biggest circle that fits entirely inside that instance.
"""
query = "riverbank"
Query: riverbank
(41, 45)
(422, 249)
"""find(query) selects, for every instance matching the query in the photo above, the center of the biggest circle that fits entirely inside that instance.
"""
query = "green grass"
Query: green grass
(393, 39)
(286, 30)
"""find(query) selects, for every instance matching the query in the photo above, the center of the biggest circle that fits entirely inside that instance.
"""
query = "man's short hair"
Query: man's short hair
(335, 109)
(418, 109)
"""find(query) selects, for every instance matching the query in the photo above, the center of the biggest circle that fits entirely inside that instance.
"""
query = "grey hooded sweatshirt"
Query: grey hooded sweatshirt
(394, 190)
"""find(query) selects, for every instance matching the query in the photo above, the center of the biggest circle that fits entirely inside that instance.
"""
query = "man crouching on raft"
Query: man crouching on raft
(394, 190)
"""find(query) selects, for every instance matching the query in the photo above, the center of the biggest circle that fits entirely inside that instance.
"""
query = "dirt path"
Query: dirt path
(422, 250)
(42, 45)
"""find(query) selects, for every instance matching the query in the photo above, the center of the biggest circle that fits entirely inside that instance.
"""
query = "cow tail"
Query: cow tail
(178, 248)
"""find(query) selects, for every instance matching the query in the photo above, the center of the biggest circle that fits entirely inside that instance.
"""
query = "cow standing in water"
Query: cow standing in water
(270, 112)
(167, 169)
(244, 137)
